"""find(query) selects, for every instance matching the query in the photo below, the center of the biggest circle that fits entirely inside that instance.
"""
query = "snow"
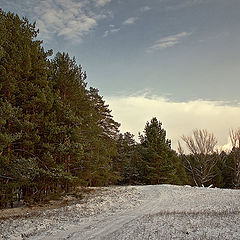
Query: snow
(136, 212)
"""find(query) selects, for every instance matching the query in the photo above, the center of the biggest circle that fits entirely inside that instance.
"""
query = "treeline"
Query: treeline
(54, 132)
(57, 133)
(152, 161)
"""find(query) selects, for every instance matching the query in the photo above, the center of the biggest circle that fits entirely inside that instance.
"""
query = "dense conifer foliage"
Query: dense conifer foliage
(56, 133)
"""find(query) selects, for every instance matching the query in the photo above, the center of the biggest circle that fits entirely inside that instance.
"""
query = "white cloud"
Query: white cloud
(101, 3)
(178, 118)
(130, 20)
(114, 30)
(168, 41)
(144, 9)
(69, 19)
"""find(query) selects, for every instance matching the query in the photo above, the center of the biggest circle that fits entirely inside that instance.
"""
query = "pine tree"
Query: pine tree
(104, 140)
(128, 161)
(25, 86)
(91, 131)
(158, 158)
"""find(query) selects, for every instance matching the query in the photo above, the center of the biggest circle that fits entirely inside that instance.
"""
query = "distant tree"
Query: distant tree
(158, 164)
(233, 160)
(128, 160)
(202, 160)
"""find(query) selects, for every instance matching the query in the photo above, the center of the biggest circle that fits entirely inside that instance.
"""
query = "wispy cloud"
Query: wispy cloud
(130, 21)
(69, 19)
(101, 3)
(144, 9)
(168, 41)
(177, 117)
(114, 30)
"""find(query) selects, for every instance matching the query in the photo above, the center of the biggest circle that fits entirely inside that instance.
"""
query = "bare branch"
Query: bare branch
(180, 149)
(202, 147)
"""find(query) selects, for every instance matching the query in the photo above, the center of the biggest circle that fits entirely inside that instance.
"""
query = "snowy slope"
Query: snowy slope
(140, 212)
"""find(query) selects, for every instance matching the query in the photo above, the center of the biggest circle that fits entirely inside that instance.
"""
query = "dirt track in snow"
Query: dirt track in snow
(140, 212)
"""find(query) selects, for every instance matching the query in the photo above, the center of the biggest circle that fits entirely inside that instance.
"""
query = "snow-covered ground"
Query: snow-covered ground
(139, 212)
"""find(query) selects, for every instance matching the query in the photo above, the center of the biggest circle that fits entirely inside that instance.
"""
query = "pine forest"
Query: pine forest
(57, 133)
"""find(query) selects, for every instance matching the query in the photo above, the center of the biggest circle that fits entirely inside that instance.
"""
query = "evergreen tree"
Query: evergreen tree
(25, 86)
(104, 141)
(158, 158)
(128, 161)
(91, 130)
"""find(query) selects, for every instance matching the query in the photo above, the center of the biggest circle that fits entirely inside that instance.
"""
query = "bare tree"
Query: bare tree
(202, 159)
(235, 153)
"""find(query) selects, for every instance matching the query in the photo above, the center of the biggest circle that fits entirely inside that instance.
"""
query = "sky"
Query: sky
(177, 60)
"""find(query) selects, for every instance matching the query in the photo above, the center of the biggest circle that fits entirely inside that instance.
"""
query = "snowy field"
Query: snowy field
(139, 212)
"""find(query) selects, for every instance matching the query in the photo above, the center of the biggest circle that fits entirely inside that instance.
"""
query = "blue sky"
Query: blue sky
(175, 51)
